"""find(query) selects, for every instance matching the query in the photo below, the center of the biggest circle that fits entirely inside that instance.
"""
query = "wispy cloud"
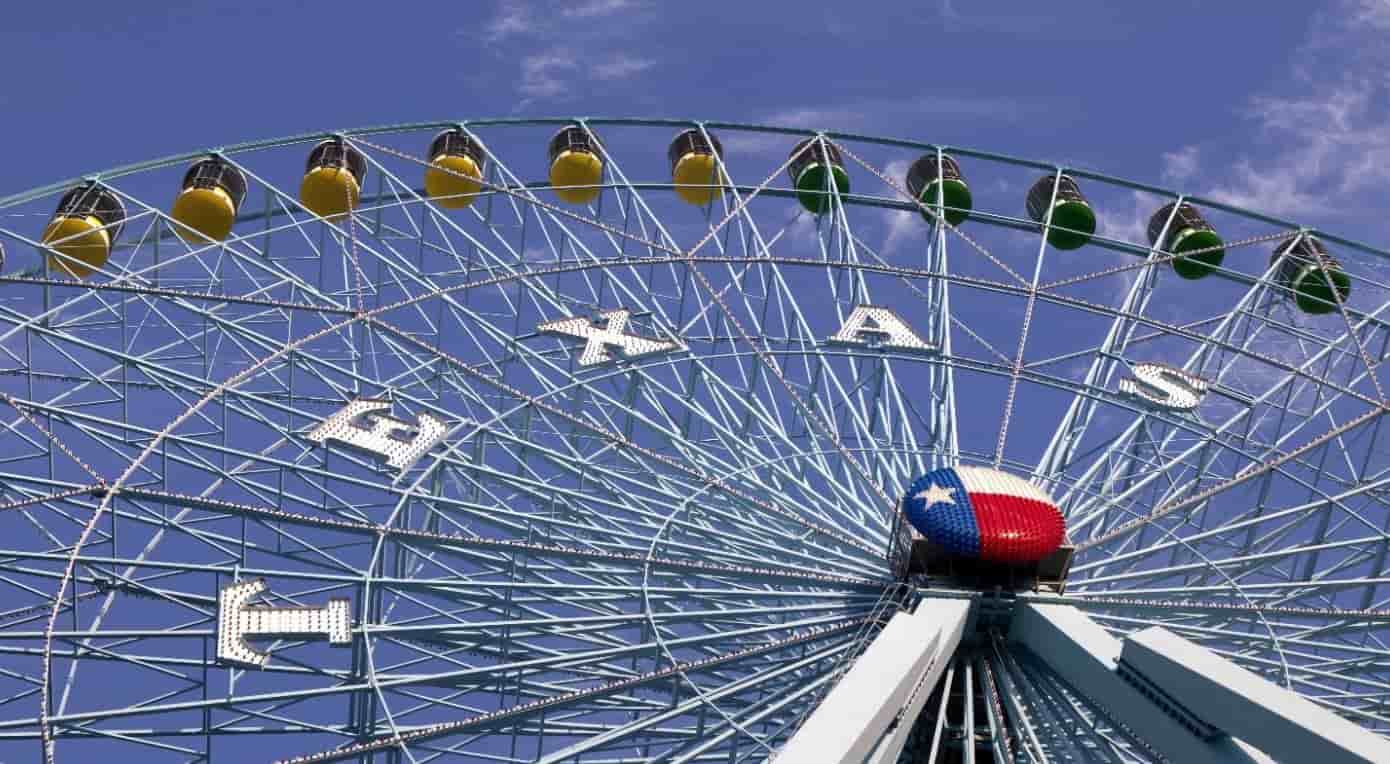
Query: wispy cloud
(1374, 14)
(865, 113)
(513, 18)
(600, 8)
(567, 54)
(1129, 224)
(869, 115)
(621, 67)
(1028, 21)
(1181, 165)
(544, 75)
(1330, 145)
(1321, 142)
(899, 223)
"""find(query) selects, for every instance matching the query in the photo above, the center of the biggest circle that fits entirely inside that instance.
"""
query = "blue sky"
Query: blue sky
(1280, 107)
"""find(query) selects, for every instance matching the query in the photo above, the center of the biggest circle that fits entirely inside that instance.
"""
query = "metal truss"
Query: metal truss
(660, 556)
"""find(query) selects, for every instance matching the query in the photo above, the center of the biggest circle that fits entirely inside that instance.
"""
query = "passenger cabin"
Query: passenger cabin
(936, 181)
(815, 165)
(1187, 232)
(1056, 202)
(455, 174)
(1316, 279)
(333, 179)
(207, 205)
(694, 158)
(81, 232)
(576, 165)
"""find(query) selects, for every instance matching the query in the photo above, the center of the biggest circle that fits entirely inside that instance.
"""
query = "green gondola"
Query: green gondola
(932, 175)
(1316, 279)
(812, 172)
(1073, 220)
(1188, 232)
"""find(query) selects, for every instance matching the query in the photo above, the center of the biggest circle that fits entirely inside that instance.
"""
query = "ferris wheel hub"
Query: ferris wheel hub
(587, 456)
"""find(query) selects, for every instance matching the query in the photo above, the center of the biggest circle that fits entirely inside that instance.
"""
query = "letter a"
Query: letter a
(879, 327)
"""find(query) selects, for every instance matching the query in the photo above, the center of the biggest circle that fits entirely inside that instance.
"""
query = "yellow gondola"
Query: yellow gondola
(79, 236)
(213, 190)
(333, 179)
(695, 166)
(454, 176)
(576, 169)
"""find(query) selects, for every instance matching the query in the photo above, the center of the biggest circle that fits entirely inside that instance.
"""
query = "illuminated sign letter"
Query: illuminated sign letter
(597, 340)
(1165, 386)
(881, 327)
(383, 434)
(237, 620)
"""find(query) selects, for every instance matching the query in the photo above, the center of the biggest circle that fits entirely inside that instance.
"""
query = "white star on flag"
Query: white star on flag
(935, 493)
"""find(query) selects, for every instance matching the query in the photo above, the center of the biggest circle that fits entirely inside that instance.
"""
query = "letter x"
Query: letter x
(599, 339)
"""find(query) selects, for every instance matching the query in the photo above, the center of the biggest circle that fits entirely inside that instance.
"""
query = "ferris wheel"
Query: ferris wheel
(621, 440)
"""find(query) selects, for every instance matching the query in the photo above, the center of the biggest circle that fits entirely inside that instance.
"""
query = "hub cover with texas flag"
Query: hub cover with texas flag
(984, 514)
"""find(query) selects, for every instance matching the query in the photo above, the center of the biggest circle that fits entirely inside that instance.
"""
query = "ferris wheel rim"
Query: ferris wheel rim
(637, 121)
(350, 317)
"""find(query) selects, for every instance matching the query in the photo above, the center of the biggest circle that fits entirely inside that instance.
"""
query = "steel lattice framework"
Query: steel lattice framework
(671, 556)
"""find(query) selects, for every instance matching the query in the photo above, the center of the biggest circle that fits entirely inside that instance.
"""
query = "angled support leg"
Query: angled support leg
(869, 712)
(1245, 705)
(1082, 652)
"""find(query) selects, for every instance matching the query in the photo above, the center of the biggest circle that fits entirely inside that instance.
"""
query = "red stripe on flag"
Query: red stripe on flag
(1016, 529)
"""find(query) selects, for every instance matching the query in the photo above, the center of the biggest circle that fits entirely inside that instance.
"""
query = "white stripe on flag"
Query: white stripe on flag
(985, 480)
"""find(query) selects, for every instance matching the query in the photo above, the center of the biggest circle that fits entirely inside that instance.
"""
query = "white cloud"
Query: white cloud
(869, 115)
(802, 231)
(865, 113)
(1331, 144)
(621, 67)
(553, 73)
(1128, 225)
(900, 223)
(544, 75)
(1270, 188)
(513, 18)
(1374, 14)
(516, 18)
(599, 8)
(1181, 165)
(1321, 147)
(573, 49)
(1031, 21)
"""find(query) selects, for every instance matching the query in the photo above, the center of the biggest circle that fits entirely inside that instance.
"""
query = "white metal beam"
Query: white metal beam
(872, 708)
(1243, 704)
(1082, 652)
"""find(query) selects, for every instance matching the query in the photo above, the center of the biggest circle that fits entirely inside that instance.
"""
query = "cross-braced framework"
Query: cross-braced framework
(661, 536)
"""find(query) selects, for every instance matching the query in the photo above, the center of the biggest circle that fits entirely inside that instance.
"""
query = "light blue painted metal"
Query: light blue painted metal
(667, 558)
(1078, 648)
(864, 712)
(1244, 705)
